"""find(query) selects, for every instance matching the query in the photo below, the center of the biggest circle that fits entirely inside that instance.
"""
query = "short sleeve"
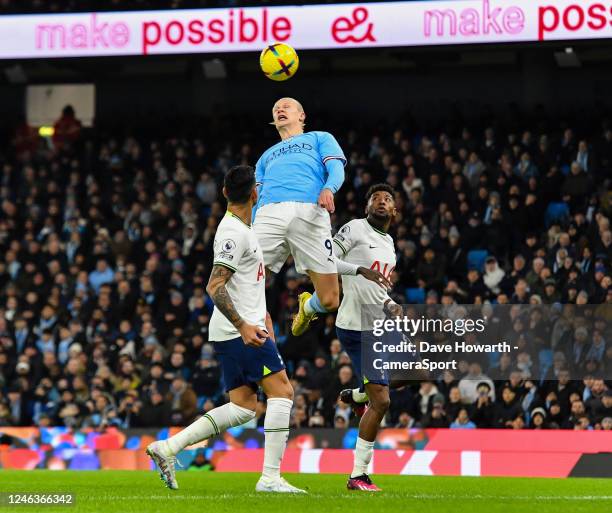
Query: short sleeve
(329, 148)
(344, 238)
(229, 247)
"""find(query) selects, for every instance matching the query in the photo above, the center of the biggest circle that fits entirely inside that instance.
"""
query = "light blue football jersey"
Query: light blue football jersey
(294, 169)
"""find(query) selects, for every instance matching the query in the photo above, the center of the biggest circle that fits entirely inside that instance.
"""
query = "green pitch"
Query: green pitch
(140, 492)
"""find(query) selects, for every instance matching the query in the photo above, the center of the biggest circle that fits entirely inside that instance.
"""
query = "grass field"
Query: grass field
(124, 491)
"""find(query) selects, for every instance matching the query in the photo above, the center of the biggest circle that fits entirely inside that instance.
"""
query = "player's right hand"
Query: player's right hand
(253, 335)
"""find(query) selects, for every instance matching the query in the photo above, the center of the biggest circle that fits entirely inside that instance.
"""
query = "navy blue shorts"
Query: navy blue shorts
(247, 365)
(351, 342)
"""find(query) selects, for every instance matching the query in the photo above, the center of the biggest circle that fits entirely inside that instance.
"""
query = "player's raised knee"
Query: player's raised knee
(330, 300)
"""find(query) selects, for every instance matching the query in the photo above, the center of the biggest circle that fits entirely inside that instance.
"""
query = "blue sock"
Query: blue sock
(314, 305)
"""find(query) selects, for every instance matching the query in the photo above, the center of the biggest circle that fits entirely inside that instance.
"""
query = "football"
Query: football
(279, 61)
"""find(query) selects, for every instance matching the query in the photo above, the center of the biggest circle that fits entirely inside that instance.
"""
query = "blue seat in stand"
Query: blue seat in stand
(415, 295)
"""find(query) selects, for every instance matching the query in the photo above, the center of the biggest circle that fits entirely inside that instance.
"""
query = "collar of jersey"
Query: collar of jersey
(282, 141)
(229, 214)
(375, 229)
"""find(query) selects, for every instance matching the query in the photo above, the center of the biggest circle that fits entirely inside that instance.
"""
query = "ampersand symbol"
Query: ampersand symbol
(344, 25)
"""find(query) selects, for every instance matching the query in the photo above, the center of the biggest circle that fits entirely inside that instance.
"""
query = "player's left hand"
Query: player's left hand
(326, 200)
(395, 310)
(375, 276)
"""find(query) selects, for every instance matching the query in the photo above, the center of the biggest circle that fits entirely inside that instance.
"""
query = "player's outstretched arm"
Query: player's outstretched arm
(220, 275)
(375, 276)
(346, 268)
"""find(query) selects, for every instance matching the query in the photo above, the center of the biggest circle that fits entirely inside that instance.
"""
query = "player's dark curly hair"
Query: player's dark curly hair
(380, 187)
(239, 182)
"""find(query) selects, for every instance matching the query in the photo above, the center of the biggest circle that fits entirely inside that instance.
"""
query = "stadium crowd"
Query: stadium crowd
(106, 245)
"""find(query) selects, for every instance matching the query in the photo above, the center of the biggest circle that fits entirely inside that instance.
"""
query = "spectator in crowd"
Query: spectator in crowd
(183, 401)
(469, 385)
(483, 409)
(155, 411)
(66, 130)
(437, 417)
(462, 420)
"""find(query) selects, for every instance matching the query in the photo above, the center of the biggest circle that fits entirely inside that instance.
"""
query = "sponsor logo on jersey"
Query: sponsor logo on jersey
(289, 148)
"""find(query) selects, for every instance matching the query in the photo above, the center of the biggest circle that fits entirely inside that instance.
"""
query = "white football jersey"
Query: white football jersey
(236, 247)
(358, 242)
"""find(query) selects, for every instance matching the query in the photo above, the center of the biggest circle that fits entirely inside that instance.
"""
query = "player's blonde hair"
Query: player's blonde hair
(297, 103)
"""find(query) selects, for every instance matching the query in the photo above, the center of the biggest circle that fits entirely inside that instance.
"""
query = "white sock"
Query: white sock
(359, 397)
(276, 429)
(363, 456)
(209, 424)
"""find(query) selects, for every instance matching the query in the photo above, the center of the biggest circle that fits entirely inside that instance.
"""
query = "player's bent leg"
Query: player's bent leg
(279, 391)
(324, 300)
(379, 405)
(327, 289)
(368, 429)
(357, 398)
(238, 411)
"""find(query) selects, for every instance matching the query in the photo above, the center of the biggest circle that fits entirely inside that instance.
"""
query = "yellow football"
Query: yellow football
(279, 61)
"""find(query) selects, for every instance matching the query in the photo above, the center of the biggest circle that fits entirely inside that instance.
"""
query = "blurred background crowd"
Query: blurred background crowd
(106, 246)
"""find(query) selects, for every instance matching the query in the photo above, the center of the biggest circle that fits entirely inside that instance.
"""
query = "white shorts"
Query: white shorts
(300, 229)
